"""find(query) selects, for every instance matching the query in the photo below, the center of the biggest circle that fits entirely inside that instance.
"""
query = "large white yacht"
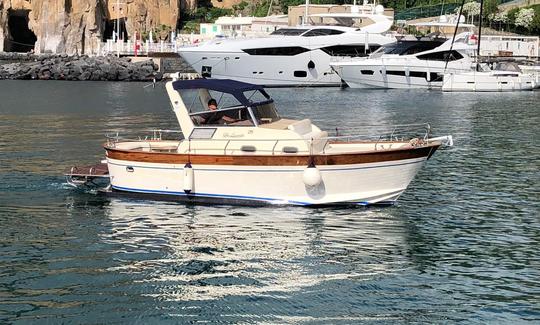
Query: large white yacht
(294, 56)
(408, 64)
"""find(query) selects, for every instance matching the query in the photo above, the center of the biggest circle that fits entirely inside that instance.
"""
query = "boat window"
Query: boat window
(441, 56)
(395, 72)
(434, 76)
(235, 116)
(256, 96)
(349, 50)
(369, 72)
(288, 31)
(206, 71)
(322, 32)
(417, 74)
(283, 51)
(300, 74)
(409, 47)
(265, 113)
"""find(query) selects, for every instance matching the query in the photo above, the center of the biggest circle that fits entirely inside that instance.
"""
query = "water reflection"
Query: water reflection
(211, 252)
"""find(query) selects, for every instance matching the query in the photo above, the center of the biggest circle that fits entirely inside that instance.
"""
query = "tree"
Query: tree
(535, 25)
(500, 17)
(489, 10)
(524, 18)
(471, 9)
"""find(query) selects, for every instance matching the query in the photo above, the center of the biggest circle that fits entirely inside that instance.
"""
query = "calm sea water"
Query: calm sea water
(462, 245)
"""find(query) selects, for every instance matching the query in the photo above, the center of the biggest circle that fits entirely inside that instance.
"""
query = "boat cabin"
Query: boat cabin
(242, 115)
(234, 103)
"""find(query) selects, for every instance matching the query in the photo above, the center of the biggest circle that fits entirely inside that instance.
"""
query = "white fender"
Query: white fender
(312, 176)
(188, 178)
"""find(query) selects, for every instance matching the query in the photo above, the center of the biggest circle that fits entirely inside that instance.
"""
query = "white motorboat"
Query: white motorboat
(506, 76)
(246, 153)
(533, 70)
(489, 81)
(408, 64)
(294, 56)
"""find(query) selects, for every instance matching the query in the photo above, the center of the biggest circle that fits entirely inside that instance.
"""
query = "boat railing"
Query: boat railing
(377, 136)
(152, 135)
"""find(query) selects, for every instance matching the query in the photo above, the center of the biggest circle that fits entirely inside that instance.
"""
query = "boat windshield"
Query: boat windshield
(289, 31)
(256, 107)
(406, 48)
(265, 112)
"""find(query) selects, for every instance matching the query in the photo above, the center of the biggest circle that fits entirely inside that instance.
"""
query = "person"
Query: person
(216, 118)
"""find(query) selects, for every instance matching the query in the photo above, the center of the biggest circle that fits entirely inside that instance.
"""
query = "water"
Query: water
(462, 245)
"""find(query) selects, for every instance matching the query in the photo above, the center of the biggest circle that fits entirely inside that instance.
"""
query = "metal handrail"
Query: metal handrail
(397, 133)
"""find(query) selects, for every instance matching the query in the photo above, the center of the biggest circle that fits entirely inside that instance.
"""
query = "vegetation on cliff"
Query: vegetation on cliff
(519, 20)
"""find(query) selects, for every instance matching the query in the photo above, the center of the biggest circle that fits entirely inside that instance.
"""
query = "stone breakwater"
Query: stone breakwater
(77, 67)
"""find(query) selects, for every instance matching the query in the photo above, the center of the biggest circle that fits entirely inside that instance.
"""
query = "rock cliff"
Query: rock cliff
(78, 26)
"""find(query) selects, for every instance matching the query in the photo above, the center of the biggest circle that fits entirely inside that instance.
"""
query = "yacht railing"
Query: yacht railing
(416, 134)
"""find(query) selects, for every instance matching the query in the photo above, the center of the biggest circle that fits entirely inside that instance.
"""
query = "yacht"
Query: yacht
(244, 152)
(294, 56)
(408, 64)
(504, 76)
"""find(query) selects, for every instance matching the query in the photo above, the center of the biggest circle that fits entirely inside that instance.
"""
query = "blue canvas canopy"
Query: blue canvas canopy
(233, 87)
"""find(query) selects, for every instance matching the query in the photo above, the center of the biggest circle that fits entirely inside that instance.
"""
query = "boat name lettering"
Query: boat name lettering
(233, 135)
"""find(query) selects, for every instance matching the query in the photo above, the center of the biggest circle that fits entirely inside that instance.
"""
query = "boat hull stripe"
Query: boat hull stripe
(277, 160)
(270, 170)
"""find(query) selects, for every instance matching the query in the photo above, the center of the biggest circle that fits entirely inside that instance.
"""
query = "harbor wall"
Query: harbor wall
(76, 67)
(82, 67)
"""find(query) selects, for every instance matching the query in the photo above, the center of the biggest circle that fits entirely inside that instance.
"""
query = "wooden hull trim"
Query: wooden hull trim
(266, 160)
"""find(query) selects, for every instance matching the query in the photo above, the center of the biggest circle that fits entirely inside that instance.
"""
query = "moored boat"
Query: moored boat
(497, 80)
(408, 64)
(244, 152)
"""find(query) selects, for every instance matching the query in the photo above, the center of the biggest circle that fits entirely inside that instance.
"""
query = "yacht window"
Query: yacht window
(409, 47)
(206, 71)
(417, 74)
(288, 32)
(322, 32)
(433, 76)
(349, 50)
(396, 73)
(370, 72)
(300, 74)
(284, 51)
(441, 56)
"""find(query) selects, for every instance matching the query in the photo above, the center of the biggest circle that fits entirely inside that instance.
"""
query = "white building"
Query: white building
(242, 26)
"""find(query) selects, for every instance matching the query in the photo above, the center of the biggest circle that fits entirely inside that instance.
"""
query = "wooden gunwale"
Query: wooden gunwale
(273, 160)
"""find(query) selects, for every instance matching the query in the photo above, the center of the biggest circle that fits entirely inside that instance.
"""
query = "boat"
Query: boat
(245, 153)
(293, 56)
(503, 77)
(498, 79)
(532, 69)
(408, 64)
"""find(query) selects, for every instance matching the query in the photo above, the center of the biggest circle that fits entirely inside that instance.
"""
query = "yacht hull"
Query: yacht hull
(362, 179)
(393, 76)
(487, 82)
(269, 71)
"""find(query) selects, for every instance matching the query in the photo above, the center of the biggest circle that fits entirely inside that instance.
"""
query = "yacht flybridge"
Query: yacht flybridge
(293, 56)
(244, 152)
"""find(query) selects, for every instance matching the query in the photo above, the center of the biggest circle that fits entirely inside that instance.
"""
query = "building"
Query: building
(297, 13)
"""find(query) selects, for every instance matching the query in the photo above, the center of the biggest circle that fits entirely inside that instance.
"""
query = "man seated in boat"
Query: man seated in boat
(213, 117)
(217, 117)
